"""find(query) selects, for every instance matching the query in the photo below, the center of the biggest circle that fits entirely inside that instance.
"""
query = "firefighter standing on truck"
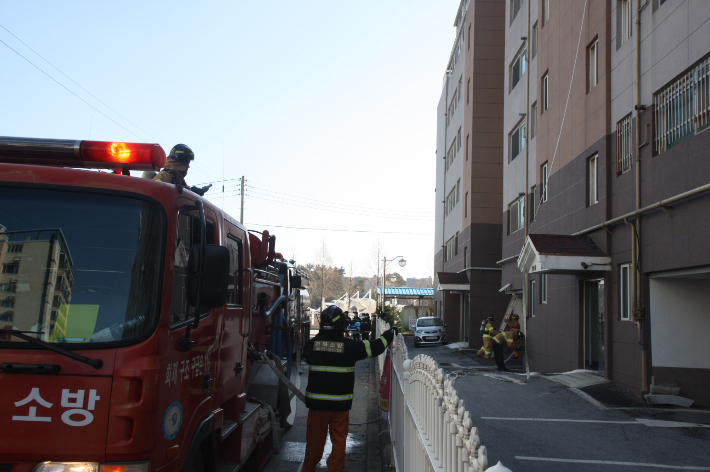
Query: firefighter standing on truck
(488, 332)
(331, 381)
(175, 170)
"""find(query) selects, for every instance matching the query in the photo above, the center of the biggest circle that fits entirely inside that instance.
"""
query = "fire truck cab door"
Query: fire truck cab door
(231, 375)
(187, 378)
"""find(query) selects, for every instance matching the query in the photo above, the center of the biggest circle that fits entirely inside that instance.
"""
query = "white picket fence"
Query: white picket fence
(430, 428)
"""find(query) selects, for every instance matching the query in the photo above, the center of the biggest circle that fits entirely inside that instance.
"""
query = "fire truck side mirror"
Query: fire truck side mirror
(215, 277)
(298, 282)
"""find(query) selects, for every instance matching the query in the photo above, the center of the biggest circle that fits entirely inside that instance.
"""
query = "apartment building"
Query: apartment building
(607, 242)
(36, 279)
(469, 172)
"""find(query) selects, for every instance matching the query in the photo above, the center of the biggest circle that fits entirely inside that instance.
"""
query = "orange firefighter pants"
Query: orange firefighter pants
(319, 422)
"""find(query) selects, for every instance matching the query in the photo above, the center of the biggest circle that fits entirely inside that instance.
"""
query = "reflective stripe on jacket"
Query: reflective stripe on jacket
(331, 377)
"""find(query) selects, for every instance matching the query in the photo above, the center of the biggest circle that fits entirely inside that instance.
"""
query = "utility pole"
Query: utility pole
(241, 215)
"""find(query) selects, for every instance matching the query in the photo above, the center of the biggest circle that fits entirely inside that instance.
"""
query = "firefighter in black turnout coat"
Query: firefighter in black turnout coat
(331, 381)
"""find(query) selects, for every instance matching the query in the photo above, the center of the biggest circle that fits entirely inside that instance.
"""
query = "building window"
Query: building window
(458, 190)
(450, 249)
(545, 12)
(458, 141)
(533, 42)
(533, 120)
(10, 268)
(515, 8)
(14, 248)
(467, 136)
(593, 55)
(452, 108)
(532, 297)
(625, 291)
(7, 316)
(456, 244)
(543, 181)
(9, 302)
(468, 91)
(623, 145)
(592, 173)
(517, 68)
(626, 19)
(450, 201)
(460, 88)
(517, 215)
(451, 155)
(8, 288)
(517, 140)
(469, 36)
(465, 257)
(543, 288)
(465, 206)
(545, 90)
(683, 108)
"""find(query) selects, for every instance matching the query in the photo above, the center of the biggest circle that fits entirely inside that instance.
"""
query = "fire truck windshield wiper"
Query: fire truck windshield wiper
(95, 363)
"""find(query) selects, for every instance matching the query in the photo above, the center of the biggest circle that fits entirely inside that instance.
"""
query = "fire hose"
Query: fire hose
(282, 377)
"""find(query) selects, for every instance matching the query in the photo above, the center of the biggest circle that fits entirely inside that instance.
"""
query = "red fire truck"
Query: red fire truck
(134, 318)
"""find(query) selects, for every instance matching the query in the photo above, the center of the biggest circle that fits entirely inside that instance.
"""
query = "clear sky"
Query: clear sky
(328, 108)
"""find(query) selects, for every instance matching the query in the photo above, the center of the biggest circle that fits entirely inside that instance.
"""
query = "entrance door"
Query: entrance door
(466, 316)
(594, 325)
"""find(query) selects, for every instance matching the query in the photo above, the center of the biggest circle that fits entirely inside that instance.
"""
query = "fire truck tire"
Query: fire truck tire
(197, 464)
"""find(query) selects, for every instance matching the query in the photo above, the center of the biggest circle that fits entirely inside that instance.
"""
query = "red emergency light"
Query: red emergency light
(88, 154)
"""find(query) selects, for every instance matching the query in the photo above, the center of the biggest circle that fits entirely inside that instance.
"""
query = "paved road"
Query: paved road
(362, 450)
(526, 425)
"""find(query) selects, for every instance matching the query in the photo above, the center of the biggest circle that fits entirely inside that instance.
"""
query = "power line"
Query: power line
(65, 88)
(339, 205)
(75, 83)
(341, 230)
(92, 95)
(338, 210)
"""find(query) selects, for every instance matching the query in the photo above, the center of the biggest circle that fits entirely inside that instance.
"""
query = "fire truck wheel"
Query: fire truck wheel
(197, 464)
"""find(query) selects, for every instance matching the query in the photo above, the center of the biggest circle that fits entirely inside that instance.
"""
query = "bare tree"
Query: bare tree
(326, 276)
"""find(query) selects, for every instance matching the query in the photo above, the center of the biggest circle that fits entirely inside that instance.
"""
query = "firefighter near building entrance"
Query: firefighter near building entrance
(331, 381)
(505, 338)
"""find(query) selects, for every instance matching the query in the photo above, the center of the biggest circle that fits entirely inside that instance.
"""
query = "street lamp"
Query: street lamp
(402, 263)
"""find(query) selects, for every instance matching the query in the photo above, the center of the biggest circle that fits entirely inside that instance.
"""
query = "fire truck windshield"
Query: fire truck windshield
(78, 268)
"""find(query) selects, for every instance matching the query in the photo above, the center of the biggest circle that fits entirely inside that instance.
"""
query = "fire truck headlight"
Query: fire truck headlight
(67, 467)
(143, 466)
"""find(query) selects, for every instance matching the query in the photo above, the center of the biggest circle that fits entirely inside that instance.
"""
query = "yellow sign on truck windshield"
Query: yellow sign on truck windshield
(75, 323)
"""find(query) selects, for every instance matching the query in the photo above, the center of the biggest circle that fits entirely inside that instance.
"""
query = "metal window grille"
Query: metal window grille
(623, 145)
(683, 107)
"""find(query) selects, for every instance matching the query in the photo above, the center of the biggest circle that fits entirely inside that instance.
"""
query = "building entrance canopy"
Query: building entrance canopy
(562, 254)
(455, 281)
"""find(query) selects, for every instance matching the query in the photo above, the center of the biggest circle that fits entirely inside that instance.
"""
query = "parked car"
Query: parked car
(430, 330)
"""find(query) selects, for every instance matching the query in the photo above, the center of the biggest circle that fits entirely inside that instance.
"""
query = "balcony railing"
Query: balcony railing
(683, 108)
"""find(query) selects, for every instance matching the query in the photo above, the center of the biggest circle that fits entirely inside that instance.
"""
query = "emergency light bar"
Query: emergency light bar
(88, 154)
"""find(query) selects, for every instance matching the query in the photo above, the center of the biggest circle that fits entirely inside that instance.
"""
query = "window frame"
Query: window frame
(519, 215)
(533, 120)
(543, 289)
(521, 57)
(627, 17)
(593, 64)
(238, 280)
(545, 12)
(520, 130)
(533, 42)
(545, 92)
(531, 298)
(593, 180)
(513, 11)
(544, 178)
(625, 311)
